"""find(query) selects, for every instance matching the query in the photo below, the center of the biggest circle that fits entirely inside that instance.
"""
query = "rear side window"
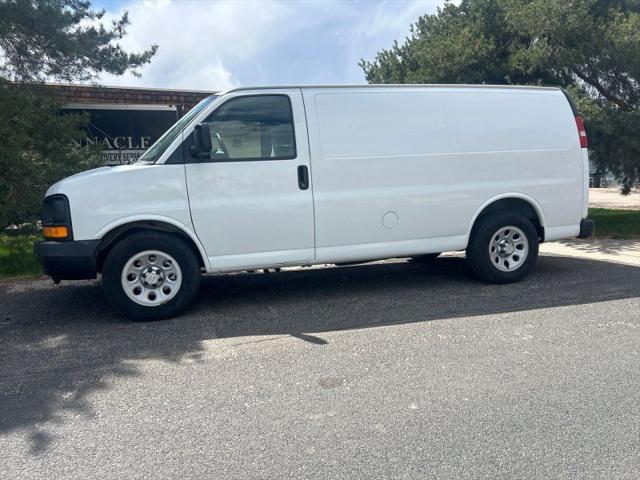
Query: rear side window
(258, 127)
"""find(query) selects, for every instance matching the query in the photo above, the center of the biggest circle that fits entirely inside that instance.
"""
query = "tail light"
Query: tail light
(581, 132)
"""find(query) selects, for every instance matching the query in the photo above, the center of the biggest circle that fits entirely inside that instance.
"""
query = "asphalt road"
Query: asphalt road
(380, 371)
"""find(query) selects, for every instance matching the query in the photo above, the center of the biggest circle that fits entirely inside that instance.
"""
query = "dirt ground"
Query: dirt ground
(611, 198)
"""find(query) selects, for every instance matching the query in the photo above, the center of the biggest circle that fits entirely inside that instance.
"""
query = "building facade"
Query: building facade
(125, 121)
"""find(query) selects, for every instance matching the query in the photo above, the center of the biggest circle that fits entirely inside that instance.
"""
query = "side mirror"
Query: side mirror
(202, 141)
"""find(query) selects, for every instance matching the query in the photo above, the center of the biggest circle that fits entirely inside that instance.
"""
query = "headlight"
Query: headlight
(56, 218)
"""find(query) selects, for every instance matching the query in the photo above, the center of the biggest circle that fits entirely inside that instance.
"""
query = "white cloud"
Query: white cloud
(380, 22)
(378, 28)
(216, 45)
(195, 37)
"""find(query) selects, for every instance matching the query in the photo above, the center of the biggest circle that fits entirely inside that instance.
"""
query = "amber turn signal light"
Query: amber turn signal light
(55, 232)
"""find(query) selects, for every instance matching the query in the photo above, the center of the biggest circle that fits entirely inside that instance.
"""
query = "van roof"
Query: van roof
(396, 85)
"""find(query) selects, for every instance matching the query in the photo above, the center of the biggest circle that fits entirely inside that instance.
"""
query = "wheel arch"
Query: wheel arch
(112, 234)
(511, 202)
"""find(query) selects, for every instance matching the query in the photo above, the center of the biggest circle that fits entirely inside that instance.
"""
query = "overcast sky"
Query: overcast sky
(219, 44)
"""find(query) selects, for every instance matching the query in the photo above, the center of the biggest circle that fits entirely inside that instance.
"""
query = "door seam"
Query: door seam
(313, 198)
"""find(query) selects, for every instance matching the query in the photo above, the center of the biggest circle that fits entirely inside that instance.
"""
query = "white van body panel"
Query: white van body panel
(394, 171)
(434, 157)
(109, 197)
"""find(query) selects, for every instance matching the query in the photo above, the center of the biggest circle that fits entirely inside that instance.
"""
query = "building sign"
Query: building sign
(124, 132)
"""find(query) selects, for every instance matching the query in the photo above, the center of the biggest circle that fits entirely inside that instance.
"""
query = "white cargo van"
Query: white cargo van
(271, 177)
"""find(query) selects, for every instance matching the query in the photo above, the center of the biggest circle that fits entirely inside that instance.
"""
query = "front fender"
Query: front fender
(123, 221)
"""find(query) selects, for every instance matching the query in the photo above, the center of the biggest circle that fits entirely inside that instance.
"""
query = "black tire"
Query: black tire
(140, 242)
(483, 263)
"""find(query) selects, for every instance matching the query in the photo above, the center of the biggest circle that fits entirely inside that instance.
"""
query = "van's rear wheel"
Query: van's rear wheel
(503, 248)
(150, 276)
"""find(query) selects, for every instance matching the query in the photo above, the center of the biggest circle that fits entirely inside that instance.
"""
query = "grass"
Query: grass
(16, 256)
(17, 260)
(616, 223)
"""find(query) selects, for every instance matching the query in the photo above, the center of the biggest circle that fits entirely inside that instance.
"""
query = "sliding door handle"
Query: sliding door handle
(303, 177)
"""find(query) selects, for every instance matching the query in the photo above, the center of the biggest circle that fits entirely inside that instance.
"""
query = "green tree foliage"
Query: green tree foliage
(36, 150)
(63, 40)
(591, 47)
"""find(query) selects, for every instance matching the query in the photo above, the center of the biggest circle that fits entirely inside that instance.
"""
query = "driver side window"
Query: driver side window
(258, 127)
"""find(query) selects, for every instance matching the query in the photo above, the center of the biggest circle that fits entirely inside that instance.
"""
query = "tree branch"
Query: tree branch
(601, 89)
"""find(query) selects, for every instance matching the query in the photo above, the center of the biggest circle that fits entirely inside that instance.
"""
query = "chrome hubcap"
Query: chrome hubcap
(508, 249)
(151, 278)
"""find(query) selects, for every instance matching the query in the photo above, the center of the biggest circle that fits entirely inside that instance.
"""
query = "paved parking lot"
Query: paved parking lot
(389, 370)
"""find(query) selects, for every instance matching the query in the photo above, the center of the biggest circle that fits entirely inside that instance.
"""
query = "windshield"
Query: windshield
(160, 145)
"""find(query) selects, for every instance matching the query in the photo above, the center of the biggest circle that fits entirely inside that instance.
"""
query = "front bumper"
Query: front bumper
(70, 260)
(587, 228)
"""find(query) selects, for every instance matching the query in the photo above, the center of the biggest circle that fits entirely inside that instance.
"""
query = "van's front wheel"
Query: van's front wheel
(503, 248)
(150, 276)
